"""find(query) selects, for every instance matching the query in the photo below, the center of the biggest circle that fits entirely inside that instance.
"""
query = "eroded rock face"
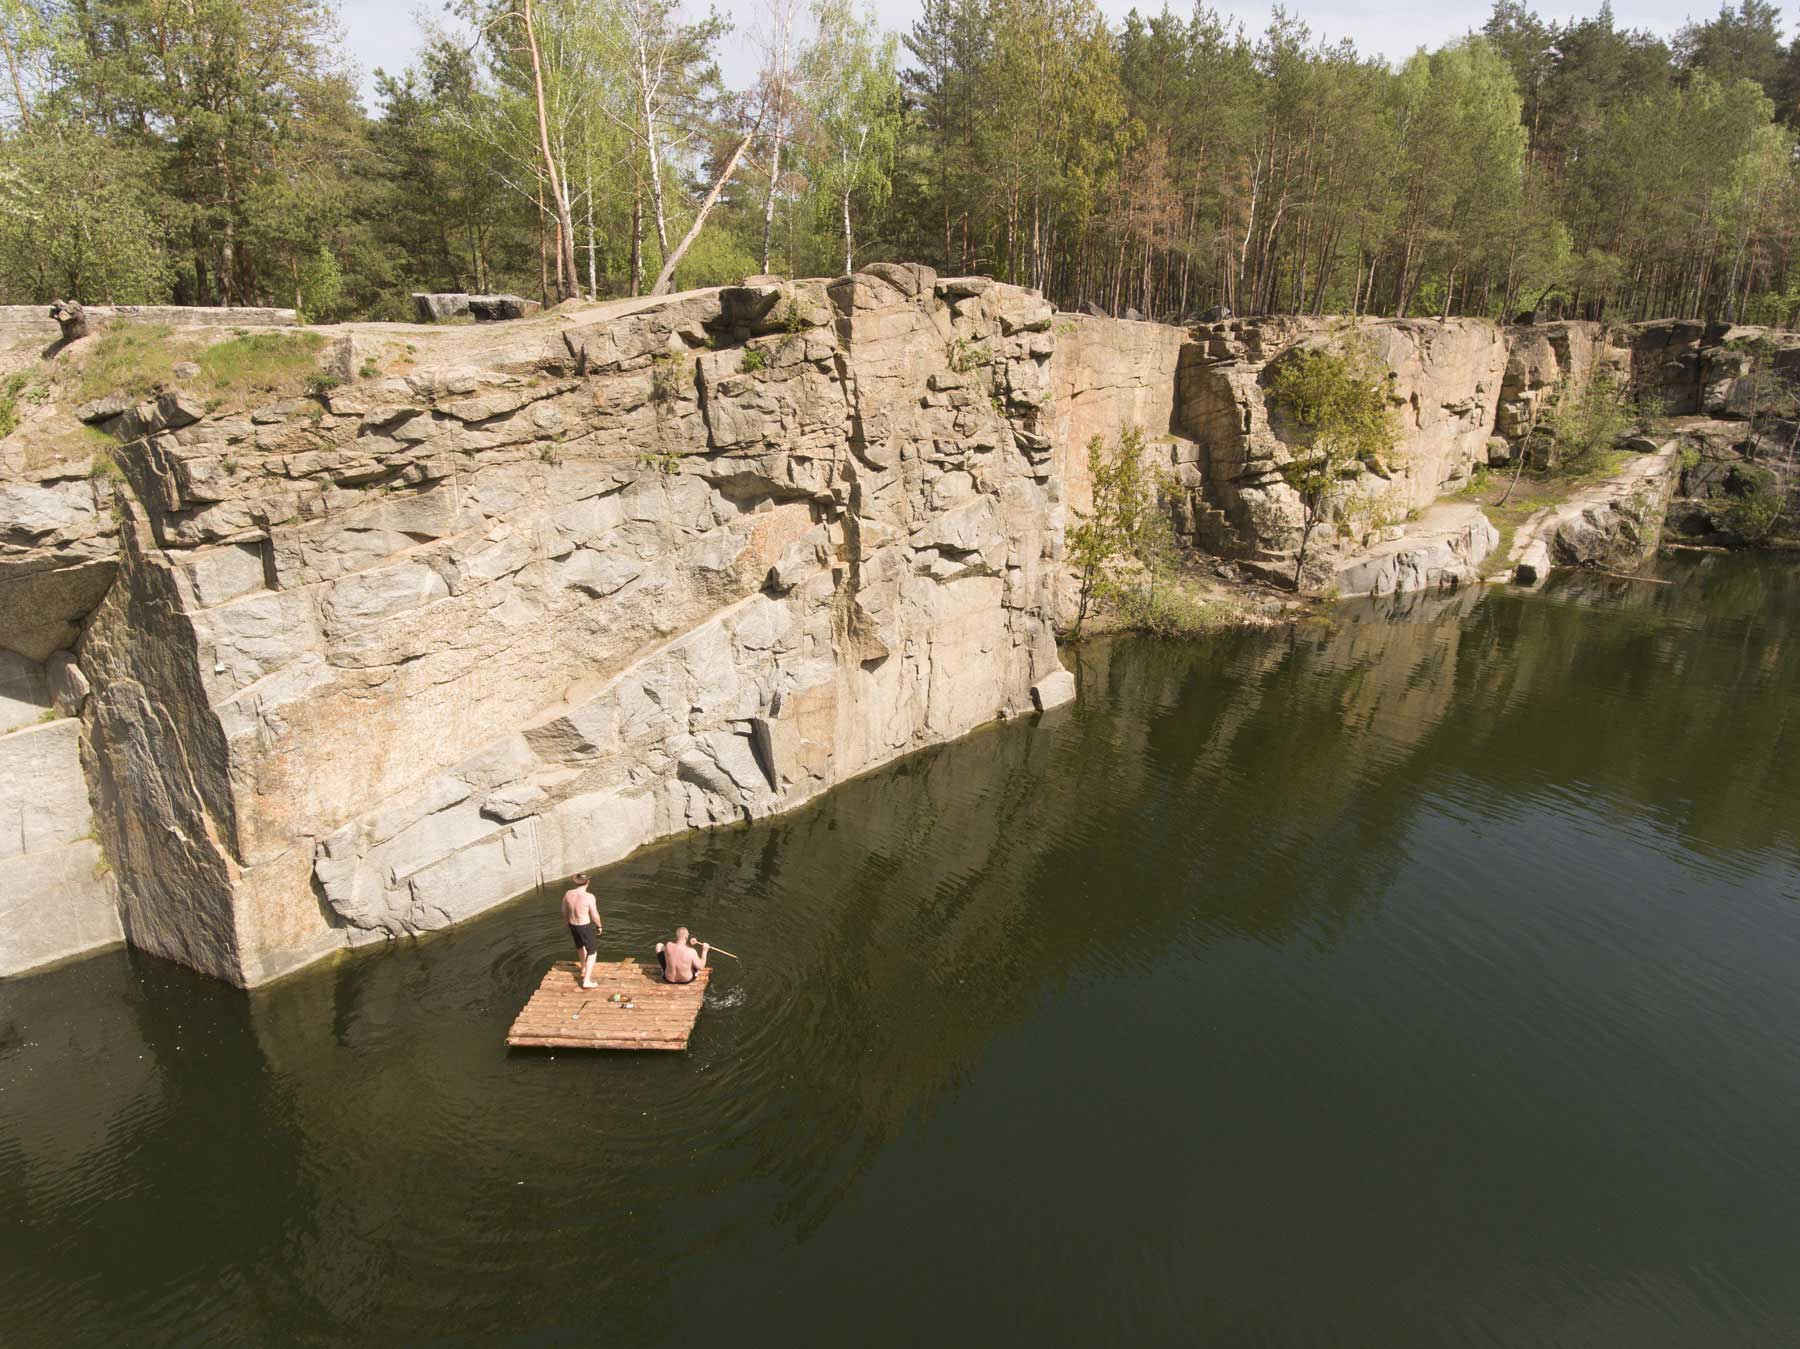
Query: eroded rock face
(57, 896)
(1443, 551)
(1543, 358)
(1445, 385)
(363, 664)
(58, 548)
(1622, 526)
(378, 661)
(1615, 524)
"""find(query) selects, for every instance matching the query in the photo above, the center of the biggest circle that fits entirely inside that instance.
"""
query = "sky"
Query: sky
(385, 33)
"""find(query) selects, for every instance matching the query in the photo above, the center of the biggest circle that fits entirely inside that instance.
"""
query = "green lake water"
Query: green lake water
(1427, 978)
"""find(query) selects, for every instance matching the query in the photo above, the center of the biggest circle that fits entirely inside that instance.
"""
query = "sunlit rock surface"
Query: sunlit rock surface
(495, 604)
(378, 660)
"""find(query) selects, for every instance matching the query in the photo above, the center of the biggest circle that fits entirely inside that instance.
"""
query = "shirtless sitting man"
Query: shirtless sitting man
(583, 917)
(681, 964)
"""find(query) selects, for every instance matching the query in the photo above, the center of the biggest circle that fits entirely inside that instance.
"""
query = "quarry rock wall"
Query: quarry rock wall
(287, 676)
(376, 660)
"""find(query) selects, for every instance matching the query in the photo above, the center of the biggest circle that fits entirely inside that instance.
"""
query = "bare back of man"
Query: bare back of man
(582, 914)
(681, 963)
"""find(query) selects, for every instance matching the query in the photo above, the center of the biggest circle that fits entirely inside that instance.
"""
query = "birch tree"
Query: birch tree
(853, 104)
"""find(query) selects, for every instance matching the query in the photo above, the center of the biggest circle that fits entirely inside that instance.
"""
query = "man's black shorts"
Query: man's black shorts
(587, 938)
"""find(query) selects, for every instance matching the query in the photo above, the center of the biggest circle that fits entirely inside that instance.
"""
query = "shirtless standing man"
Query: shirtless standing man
(680, 963)
(583, 917)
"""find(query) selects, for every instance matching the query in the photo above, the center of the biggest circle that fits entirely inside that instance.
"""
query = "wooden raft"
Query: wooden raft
(564, 1015)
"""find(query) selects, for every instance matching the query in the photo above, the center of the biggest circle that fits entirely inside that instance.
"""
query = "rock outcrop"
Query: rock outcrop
(57, 896)
(1465, 393)
(378, 659)
(35, 322)
(440, 306)
(1612, 525)
(1444, 390)
(499, 602)
(1443, 550)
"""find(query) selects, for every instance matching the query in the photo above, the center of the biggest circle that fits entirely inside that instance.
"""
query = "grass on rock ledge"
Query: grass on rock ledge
(1536, 489)
(139, 360)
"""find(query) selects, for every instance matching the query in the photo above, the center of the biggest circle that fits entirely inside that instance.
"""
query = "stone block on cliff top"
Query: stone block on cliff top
(498, 308)
(437, 308)
(909, 278)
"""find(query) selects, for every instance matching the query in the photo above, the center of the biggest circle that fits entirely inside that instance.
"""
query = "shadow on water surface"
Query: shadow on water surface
(1287, 931)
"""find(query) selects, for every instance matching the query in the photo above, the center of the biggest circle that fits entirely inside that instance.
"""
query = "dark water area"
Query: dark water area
(1430, 977)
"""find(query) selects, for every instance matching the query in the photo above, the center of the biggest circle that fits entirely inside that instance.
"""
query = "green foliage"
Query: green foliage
(1172, 608)
(322, 294)
(1754, 503)
(105, 467)
(1762, 389)
(1588, 420)
(965, 356)
(1338, 403)
(854, 108)
(272, 362)
(665, 379)
(754, 359)
(135, 359)
(81, 217)
(1123, 548)
(139, 359)
(10, 391)
(214, 152)
(717, 258)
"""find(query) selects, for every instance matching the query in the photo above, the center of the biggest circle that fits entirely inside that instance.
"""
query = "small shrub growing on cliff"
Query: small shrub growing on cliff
(665, 382)
(104, 466)
(1123, 548)
(9, 402)
(1339, 401)
(755, 358)
(1755, 503)
(965, 355)
(1588, 420)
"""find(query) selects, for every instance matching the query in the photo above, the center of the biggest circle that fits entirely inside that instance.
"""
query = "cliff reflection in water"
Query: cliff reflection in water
(977, 990)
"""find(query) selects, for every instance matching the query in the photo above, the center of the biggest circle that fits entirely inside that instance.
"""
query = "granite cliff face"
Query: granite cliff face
(376, 660)
(1444, 388)
(502, 603)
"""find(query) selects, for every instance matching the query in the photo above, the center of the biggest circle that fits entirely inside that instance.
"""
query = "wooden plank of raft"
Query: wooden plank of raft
(563, 1015)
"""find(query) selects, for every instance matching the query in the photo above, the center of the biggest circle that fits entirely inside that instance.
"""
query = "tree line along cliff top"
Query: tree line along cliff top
(217, 153)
